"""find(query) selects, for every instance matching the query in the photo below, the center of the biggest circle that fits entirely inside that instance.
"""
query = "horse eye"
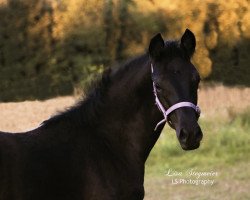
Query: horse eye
(196, 78)
(176, 72)
(158, 87)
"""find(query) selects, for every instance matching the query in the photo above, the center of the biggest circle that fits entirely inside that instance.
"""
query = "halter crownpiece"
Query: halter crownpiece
(173, 107)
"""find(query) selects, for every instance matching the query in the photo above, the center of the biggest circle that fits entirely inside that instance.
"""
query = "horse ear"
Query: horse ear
(155, 46)
(188, 42)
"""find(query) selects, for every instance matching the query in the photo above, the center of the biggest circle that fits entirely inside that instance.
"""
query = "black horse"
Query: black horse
(97, 149)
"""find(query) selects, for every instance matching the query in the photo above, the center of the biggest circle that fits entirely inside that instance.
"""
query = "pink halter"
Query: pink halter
(173, 107)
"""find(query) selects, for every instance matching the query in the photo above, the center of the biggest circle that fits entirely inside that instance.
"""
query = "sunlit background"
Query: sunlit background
(55, 48)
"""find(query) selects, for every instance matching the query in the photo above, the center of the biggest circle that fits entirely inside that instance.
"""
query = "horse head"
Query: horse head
(175, 82)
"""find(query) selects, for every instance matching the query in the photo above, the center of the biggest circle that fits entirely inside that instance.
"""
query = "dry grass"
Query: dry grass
(232, 183)
(217, 101)
(16, 117)
(223, 101)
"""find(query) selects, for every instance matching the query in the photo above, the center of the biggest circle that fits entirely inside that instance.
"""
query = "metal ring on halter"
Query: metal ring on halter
(172, 108)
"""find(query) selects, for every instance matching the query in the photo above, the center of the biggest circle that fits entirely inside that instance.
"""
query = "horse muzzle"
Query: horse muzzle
(189, 138)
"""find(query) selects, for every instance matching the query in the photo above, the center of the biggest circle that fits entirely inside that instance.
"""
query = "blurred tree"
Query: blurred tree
(26, 46)
(50, 47)
(230, 60)
(123, 24)
(79, 29)
(109, 26)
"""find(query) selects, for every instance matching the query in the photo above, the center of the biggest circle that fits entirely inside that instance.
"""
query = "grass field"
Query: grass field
(225, 148)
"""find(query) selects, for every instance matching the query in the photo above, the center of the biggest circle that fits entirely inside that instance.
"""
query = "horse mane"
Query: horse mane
(88, 106)
(87, 110)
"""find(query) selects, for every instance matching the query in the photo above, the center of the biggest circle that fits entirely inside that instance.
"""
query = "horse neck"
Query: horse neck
(131, 114)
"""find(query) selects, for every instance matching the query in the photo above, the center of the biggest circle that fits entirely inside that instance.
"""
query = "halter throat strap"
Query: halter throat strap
(171, 108)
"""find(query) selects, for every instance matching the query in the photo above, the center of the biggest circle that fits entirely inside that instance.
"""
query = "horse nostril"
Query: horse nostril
(183, 136)
(198, 135)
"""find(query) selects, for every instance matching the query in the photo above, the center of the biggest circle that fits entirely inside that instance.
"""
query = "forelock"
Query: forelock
(172, 50)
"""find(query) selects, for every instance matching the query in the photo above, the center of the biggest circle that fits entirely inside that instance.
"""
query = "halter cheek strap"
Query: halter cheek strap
(172, 108)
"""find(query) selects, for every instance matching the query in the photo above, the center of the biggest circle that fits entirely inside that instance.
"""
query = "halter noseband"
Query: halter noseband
(172, 108)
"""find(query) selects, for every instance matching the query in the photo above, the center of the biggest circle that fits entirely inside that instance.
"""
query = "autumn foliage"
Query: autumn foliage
(51, 47)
